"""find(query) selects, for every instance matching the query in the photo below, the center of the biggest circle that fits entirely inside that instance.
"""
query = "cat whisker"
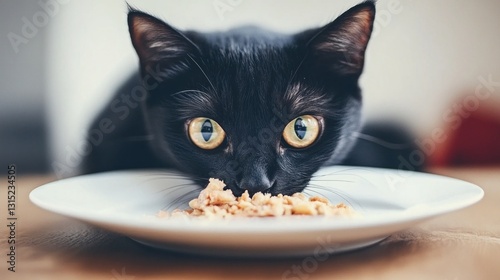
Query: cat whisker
(329, 189)
(188, 91)
(168, 181)
(360, 177)
(333, 180)
(295, 73)
(345, 197)
(175, 188)
(338, 172)
(167, 191)
(203, 72)
(308, 193)
(175, 176)
(181, 200)
(160, 176)
(380, 142)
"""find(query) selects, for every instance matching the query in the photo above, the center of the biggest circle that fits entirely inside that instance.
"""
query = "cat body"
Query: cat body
(260, 110)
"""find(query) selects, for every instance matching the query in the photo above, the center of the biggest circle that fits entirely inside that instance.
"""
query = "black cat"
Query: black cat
(261, 111)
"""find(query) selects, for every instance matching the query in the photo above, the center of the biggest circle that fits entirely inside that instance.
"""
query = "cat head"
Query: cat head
(261, 111)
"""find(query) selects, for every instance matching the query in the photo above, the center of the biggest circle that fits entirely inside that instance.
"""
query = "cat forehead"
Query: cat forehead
(249, 36)
(252, 50)
(245, 42)
(251, 61)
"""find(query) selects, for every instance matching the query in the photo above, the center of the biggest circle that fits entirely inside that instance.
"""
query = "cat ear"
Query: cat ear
(157, 42)
(341, 44)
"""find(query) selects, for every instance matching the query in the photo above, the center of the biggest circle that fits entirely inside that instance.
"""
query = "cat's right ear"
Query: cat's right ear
(157, 43)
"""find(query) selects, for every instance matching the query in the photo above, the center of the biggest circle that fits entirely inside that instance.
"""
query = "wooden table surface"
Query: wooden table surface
(460, 245)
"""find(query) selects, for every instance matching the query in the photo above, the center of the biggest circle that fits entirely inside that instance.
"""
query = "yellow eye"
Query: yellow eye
(302, 131)
(206, 133)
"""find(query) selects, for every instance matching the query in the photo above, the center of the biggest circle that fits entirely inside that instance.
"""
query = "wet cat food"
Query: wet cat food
(214, 201)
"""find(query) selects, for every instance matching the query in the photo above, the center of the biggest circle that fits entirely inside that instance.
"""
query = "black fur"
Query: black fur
(252, 82)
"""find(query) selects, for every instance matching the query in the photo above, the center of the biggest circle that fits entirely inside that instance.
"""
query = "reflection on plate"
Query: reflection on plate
(126, 202)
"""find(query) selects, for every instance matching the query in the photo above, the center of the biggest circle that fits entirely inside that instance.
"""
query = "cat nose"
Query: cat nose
(255, 184)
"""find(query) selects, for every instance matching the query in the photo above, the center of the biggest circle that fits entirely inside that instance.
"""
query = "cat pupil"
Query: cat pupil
(300, 128)
(207, 130)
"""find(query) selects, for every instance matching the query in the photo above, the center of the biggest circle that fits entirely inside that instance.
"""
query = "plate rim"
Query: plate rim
(318, 224)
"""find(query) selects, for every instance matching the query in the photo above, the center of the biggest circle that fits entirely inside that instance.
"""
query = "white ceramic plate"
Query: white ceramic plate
(127, 202)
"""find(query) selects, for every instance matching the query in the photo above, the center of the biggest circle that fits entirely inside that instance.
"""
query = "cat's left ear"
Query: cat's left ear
(340, 45)
(157, 43)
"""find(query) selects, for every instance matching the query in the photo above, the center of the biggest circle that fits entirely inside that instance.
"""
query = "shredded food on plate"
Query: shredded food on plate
(215, 202)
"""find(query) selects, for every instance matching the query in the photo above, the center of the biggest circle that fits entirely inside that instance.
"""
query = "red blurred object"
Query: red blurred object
(475, 142)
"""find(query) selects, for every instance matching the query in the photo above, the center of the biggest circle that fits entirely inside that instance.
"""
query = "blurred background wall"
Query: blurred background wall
(67, 57)
(23, 88)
